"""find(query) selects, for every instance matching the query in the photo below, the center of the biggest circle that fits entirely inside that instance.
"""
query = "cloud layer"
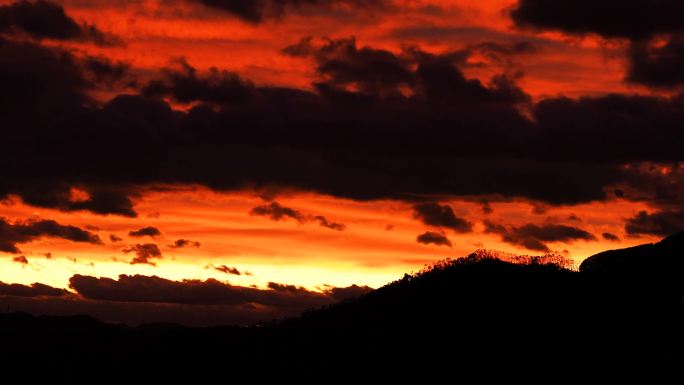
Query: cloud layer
(138, 299)
(47, 20)
(12, 234)
(534, 237)
(640, 22)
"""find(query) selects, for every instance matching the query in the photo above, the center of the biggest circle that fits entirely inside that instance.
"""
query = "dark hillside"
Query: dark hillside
(472, 316)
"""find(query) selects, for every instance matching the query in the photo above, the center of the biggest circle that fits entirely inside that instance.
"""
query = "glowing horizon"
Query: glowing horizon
(377, 246)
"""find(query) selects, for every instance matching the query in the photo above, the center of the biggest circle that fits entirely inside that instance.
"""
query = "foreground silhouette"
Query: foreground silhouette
(619, 316)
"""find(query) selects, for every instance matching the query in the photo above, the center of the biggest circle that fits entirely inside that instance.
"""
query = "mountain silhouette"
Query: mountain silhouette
(649, 267)
(475, 316)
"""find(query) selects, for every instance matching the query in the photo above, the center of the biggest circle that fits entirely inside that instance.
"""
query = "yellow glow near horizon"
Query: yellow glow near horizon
(378, 246)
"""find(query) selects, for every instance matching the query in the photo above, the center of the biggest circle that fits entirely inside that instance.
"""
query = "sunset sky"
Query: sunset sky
(247, 159)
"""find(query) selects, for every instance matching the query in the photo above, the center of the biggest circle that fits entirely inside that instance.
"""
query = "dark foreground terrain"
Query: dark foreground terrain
(621, 316)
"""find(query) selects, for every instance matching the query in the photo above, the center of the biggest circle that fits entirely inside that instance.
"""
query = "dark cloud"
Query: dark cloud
(255, 11)
(146, 120)
(539, 208)
(353, 291)
(634, 19)
(107, 72)
(486, 207)
(642, 22)
(534, 237)
(148, 231)
(277, 212)
(497, 50)
(323, 221)
(279, 131)
(434, 214)
(183, 84)
(34, 290)
(180, 243)
(57, 195)
(661, 184)
(430, 237)
(344, 58)
(662, 223)
(618, 120)
(281, 287)
(342, 64)
(137, 313)
(12, 234)
(610, 237)
(227, 269)
(32, 74)
(46, 20)
(21, 259)
(655, 65)
(245, 9)
(449, 136)
(101, 200)
(144, 253)
(60, 79)
(41, 86)
(138, 299)
(138, 288)
(440, 80)
(115, 238)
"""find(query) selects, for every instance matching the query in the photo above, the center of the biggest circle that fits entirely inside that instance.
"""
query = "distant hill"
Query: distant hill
(662, 256)
(476, 316)
(657, 266)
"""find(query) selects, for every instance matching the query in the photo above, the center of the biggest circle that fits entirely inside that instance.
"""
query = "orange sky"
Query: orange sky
(379, 243)
(377, 247)
(155, 33)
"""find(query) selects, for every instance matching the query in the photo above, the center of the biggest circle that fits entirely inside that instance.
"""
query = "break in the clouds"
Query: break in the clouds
(13, 234)
(534, 237)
